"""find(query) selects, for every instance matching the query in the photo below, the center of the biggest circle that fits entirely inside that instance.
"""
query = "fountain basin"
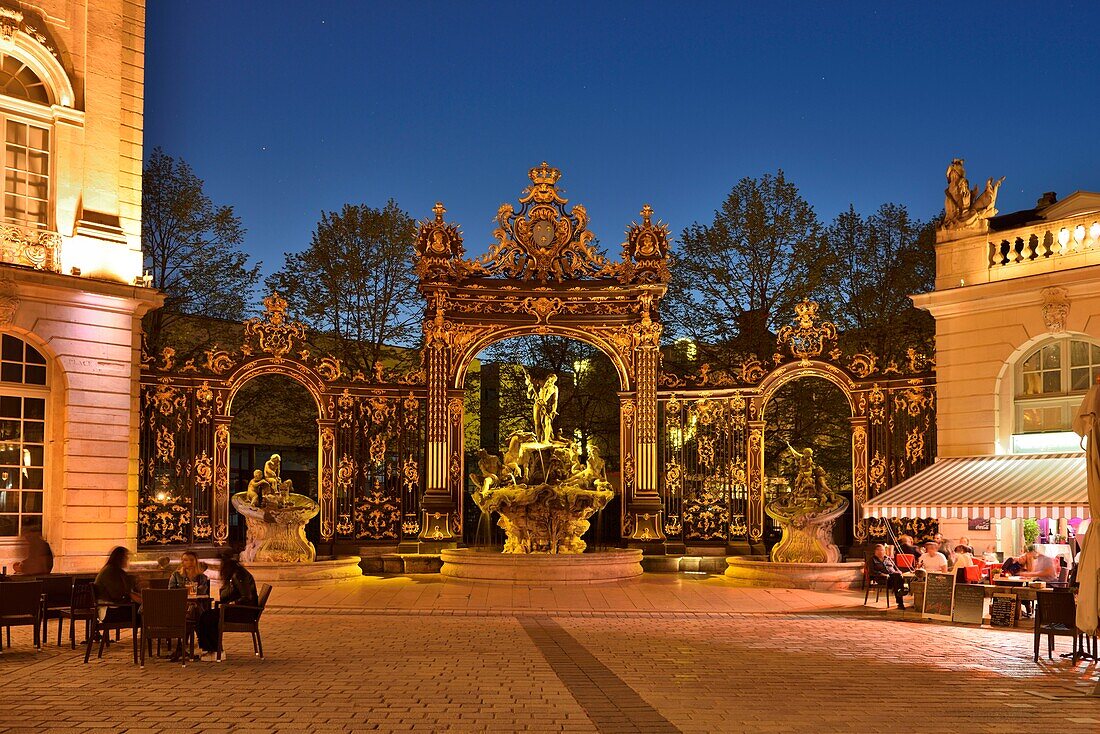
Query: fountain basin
(468, 564)
(319, 573)
(818, 576)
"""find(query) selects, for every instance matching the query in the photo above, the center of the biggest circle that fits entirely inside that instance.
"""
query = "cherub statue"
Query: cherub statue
(489, 466)
(256, 488)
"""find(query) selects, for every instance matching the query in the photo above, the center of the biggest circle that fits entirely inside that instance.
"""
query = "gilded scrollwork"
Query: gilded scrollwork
(806, 338)
(273, 333)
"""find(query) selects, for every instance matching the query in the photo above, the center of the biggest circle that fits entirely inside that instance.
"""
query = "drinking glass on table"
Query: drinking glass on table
(192, 588)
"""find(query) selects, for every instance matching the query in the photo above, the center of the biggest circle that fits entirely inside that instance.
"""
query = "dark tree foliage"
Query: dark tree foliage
(735, 281)
(882, 259)
(192, 249)
(274, 410)
(809, 412)
(354, 285)
(588, 401)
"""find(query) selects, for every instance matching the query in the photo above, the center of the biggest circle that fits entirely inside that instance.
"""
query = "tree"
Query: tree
(736, 280)
(354, 285)
(192, 249)
(885, 258)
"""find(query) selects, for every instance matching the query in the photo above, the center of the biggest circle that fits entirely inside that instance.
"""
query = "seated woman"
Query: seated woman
(113, 585)
(238, 590)
(188, 573)
(963, 557)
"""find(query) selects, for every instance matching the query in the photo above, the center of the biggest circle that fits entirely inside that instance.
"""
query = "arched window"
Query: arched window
(23, 394)
(26, 144)
(1050, 382)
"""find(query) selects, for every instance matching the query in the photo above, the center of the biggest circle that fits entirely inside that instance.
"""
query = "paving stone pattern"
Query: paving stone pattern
(575, 671)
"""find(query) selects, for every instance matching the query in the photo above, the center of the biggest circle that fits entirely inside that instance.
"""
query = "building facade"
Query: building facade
(1017, 309)
(71, 287)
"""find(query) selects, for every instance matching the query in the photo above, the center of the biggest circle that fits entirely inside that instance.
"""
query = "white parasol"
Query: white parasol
(1087, 425)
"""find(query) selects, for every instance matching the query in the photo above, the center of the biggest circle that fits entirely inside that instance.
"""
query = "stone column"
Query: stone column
(219, 505)
(645, 503)
(859, 477)
(754, 476)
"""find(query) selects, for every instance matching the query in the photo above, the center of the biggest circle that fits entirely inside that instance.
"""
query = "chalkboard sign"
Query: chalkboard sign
(939, 593)
(1003, 610)
(969, 604)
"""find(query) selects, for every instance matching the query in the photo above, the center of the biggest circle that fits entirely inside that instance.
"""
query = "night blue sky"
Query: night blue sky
(288, 108)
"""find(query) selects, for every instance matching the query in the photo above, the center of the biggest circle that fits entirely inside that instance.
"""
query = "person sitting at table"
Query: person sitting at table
(39, 560)
(990, 554)
(905, 545)
(944, 547)
(1014, 565)
(189, 572)
(963, 557)
(884, 569)
(114, 586)
(932, 560)
(1040, 567)
(238, 589)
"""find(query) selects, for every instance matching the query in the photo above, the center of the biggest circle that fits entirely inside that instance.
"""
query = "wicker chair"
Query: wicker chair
(117, 617)
(57, 595)
(163, 617)
(21, 606)
(81, 606)
(1056, 616)
(243, 618)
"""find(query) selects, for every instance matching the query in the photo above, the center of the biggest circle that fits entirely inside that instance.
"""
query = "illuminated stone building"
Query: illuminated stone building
(1017, 308)
(71, 293)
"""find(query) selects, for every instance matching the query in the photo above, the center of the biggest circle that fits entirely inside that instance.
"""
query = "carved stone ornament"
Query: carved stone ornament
(9, 300)
(12, 21)
(1055, 308)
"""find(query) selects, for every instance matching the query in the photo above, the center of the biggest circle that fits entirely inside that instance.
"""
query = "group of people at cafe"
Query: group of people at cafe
(941, 556)
(115, 585)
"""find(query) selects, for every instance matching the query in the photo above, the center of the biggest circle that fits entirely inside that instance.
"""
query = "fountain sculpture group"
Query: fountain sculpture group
(276, 518)
(539, 487)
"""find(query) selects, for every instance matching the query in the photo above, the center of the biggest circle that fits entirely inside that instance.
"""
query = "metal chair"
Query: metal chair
(1056, 616)
(878, 583)
(57, 595)
(81, 606)
(163, 617)
(116, 617)
(243, 618)
(21, 606)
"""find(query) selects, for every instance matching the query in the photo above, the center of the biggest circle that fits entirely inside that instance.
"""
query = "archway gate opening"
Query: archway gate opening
(369, 439)
(543, 275)
(712, 427)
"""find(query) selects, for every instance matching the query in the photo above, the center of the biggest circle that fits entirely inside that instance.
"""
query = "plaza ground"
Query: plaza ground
(661, 654)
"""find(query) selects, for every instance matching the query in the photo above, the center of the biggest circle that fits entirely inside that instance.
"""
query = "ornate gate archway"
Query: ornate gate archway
(542, 276)
(713, 423)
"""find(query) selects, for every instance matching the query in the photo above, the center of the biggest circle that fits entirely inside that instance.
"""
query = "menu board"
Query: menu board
(939, 594)
(969, 604)
(1003, 610)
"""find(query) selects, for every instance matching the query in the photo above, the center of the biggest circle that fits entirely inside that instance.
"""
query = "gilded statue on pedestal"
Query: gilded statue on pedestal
(542, 491)
(806, 514)
(275, 517)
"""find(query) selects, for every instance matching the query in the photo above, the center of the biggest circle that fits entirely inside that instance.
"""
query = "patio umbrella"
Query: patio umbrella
(1087, 425)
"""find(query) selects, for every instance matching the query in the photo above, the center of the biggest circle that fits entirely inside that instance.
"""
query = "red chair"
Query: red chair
(905, 561)
(973, 574)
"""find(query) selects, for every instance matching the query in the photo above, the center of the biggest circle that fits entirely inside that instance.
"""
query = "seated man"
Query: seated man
(1040, 567)
(884, 569)
(932, 560)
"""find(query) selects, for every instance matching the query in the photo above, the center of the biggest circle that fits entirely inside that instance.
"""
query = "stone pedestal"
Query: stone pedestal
(276, 533)
(538, 568)
(817, 576)
(807, 532)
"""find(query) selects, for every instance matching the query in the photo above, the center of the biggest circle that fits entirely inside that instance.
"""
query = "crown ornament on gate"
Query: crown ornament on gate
(804, 337)
(543, 240)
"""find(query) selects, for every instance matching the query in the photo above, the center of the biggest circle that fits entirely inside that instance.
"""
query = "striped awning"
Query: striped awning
(1020, 485)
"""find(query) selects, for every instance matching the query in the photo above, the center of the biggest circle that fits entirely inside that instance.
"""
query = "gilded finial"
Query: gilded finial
(647, 214)
(439, 211)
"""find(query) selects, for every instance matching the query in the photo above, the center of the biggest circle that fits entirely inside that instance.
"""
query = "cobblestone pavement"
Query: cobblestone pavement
(367, 670)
